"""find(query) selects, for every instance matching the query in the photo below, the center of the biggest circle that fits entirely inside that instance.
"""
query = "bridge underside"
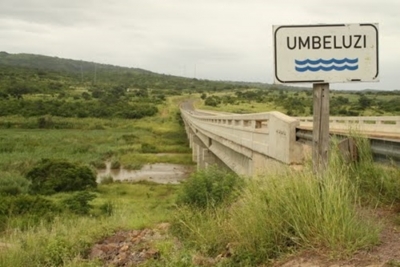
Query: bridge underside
(207, 151)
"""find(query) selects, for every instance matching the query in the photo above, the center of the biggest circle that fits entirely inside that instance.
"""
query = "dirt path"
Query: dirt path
(133, 247)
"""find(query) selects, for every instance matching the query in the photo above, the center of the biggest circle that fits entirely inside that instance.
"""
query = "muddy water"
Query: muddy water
(162, 173)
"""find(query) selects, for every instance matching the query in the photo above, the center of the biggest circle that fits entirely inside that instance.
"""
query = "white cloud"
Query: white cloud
(214, 39)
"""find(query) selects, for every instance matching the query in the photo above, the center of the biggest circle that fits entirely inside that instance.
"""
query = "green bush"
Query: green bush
(24, 211)
(79, 202)
(13, 184)
(51, 176)
(26, 204)
(209, 187)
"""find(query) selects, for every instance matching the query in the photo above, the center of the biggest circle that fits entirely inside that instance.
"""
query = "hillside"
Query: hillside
(57, 64)
(77, 72)
(30, 75)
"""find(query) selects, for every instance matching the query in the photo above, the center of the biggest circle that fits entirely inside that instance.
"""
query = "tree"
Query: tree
(50, 176)
(19, 89)
(118, 91)
(212, 101)
(364, 101)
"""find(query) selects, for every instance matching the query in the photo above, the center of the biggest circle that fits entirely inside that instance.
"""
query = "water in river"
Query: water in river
(162, 173)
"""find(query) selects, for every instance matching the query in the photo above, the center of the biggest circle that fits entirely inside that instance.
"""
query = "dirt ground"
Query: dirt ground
(131, 248)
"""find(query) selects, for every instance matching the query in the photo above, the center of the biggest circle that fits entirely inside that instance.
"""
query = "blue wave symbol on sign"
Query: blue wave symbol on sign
(326, 65)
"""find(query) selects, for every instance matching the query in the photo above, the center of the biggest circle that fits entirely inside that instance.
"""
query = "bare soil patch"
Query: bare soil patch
(134, 247)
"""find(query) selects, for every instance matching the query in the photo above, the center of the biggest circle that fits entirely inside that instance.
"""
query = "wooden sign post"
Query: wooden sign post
(320, 144)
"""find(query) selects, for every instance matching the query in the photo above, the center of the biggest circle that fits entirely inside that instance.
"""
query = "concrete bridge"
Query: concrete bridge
(253, 144)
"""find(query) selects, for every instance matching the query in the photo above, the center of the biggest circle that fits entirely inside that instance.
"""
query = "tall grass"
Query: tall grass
(298, 211)
(379, 184)
(288, 212)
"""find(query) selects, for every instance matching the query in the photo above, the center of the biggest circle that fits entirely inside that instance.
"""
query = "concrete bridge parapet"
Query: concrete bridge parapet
(249, 144)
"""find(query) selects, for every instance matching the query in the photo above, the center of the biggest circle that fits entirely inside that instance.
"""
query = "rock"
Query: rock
(124, 248)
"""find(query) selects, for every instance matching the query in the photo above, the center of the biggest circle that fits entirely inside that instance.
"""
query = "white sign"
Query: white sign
(326, 53)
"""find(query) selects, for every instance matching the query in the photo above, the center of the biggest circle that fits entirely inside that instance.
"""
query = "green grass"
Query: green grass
(280, 215)
(64, 241)
(272, 217)
(293, 211)
(117, 139)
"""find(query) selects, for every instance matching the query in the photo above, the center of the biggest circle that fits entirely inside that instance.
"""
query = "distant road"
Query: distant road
(188, 106)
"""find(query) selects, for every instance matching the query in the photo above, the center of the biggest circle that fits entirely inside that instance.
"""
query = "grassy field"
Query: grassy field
(94, 141)
(65, 240)
(238, 222)
(249, 222)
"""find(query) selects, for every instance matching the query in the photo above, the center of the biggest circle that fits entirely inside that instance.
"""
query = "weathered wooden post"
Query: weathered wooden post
(320, 127)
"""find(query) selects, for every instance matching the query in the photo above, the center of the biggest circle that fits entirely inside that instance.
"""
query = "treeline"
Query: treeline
(300, 103)
(115, 102)
(79, 109)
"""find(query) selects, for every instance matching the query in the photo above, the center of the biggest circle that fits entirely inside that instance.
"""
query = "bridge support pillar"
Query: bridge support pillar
(202, 155)
(190, 134)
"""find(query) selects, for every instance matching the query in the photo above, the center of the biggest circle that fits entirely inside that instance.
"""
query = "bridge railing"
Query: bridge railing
(384, 124)
(272, 134)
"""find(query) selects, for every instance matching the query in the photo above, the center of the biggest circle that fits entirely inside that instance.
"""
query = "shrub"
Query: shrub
(79, 202)
(24, 211)
(209, 187)
(51, 176)
(26, 204)
(212, 101)
(13, 184)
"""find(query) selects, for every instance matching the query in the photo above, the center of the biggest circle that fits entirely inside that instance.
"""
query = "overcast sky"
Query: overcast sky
(206, 39)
